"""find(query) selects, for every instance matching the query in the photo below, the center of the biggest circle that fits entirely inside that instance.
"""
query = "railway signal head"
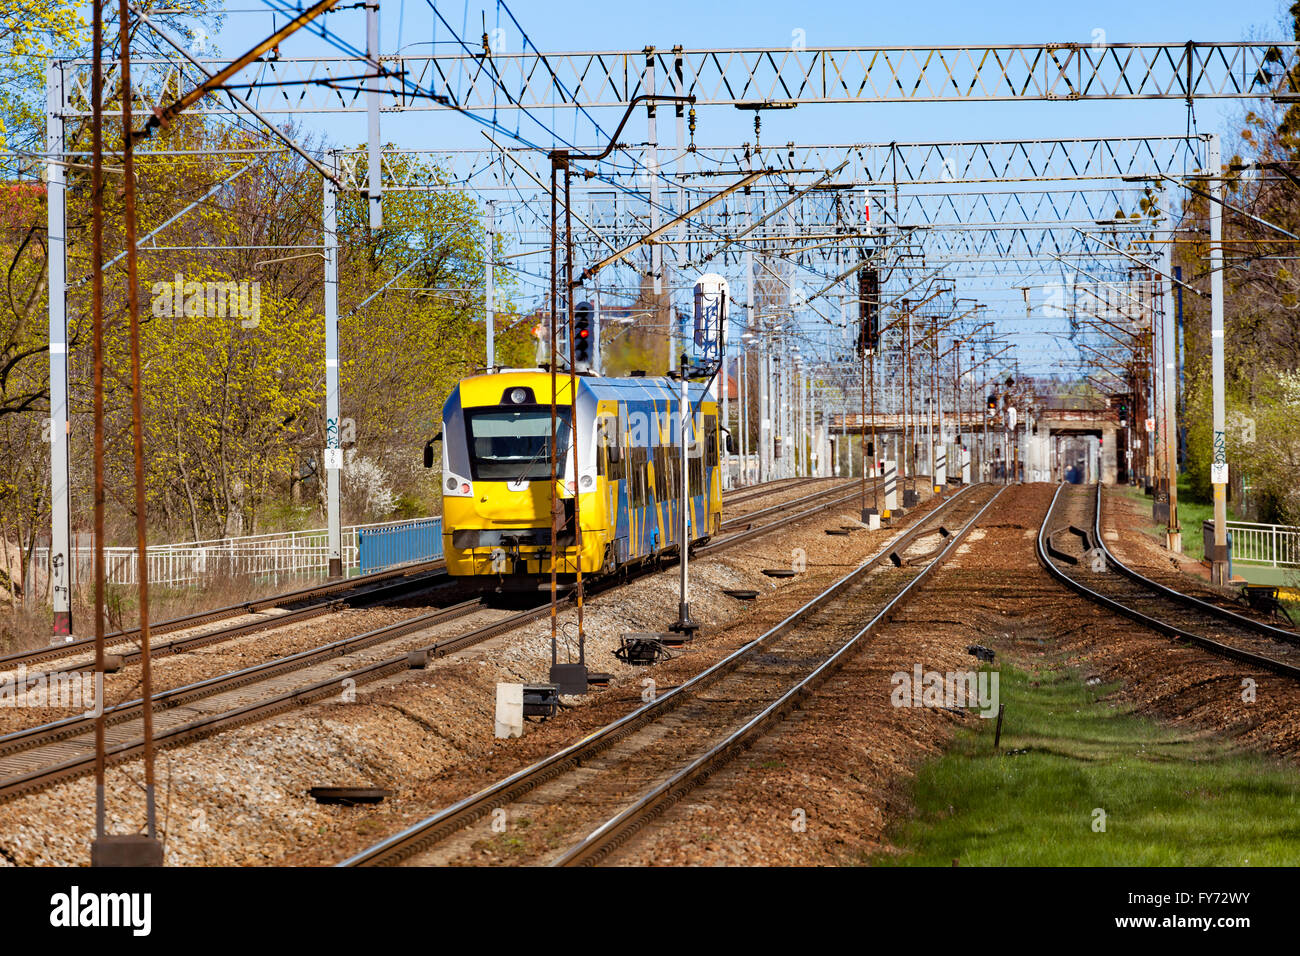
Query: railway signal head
(582, 335)
(993, 403)
(868, 310)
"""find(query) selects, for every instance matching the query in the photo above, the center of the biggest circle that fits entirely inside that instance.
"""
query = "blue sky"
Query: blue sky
(566, 26)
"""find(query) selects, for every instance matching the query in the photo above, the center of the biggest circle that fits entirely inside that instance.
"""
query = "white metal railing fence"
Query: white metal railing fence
(1275, 545)
(739, 471)
(272, 557)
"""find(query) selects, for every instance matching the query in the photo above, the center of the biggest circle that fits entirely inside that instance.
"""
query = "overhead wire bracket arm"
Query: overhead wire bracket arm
(613, 257)
(165, 114)
(279, 134)
(1145, 265)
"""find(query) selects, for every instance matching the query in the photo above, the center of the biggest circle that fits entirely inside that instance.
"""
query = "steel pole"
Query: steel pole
(764, 408)
(652, 179)
(373, 88)
(97, 386)
(137, 415)
(489, 293)
(684, 625)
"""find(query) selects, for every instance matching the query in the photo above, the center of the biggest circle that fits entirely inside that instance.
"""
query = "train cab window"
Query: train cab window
(514, 443)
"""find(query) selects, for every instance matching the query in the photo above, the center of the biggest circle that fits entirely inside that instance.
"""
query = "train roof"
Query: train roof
(482, 389)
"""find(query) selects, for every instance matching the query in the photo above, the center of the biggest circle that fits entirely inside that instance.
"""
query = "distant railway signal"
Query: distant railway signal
(868, 310)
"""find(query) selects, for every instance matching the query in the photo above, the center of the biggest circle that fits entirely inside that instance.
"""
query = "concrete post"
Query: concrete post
(56, 225)
(333, 450)
(1219, 467)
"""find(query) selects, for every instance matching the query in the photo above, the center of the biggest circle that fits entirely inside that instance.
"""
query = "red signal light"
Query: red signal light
(582, 334)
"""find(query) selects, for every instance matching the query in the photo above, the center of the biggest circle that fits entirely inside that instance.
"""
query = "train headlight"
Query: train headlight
(459, 487)
(518, 395)
(586, 481)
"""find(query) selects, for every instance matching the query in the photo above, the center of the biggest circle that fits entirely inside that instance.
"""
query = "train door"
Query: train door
(611, 464)
(712, 476)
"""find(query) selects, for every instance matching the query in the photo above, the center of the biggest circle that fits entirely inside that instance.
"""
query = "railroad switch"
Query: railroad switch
(541, 700)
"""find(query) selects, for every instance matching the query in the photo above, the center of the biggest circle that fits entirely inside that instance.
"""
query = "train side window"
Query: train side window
(710, 441)
(668, 472)
(637, 477)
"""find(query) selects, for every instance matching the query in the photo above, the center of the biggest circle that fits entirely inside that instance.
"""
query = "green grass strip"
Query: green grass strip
(1169, 797)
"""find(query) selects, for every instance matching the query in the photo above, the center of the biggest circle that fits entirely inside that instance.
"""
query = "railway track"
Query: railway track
(36, 757)
(382, 585)
(741, 495)
(610, 784)
(128, 652)
(316, 601)
(1072, 528)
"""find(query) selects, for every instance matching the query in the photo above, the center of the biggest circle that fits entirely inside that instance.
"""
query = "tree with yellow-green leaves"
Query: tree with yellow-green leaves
(1261, 303)
(427, 324)
(234, 402)
(233, 399)
(31, 33)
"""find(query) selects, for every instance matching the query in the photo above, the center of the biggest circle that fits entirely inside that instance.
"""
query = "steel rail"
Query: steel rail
(435, 828)
(182, 645)
(619, 829)
(750, 492)
(217, 614)
(1044, 552)
(15, 785)
(66, 727)
(1240, 620)
(780, 506)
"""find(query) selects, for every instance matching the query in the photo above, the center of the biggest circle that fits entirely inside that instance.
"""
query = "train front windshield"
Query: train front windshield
(514, 444)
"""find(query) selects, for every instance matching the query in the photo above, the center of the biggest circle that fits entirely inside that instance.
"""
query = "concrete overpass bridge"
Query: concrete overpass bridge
(1069, 441)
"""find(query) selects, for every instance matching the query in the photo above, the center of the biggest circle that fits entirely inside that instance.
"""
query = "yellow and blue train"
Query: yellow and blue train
(618, 467)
